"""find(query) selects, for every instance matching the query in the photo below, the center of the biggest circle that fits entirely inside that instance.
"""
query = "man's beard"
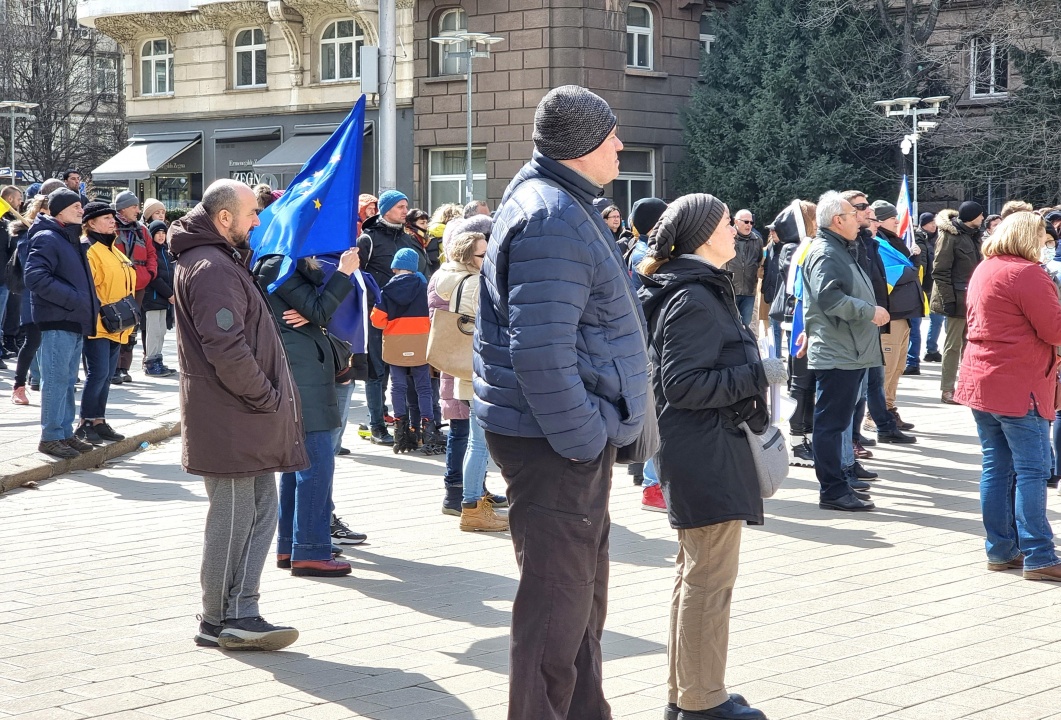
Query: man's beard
(239, 240)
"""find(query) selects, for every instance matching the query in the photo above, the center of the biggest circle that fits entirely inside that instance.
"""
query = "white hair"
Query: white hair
(830, 205)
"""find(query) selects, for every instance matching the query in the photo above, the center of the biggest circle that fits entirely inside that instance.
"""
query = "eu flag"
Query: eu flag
(318, 212)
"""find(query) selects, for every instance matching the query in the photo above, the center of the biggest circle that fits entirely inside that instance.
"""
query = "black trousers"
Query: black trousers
(802, 387)
(837, 397)
(559, 523)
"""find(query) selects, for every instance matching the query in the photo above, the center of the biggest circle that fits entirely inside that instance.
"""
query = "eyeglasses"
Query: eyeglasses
(860, 206)
(847, 213)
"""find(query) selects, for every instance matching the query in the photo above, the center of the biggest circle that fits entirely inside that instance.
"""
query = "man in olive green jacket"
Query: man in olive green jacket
(841, 319)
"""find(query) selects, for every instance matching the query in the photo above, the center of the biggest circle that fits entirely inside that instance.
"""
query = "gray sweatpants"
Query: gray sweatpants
(240, 525)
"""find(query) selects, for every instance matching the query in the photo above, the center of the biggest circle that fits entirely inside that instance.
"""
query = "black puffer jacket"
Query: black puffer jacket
(869, 260)
(377, 245)
(705, 369)
(309, 351)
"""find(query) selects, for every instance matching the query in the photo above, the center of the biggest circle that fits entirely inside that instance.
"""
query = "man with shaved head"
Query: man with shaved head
(240, 412)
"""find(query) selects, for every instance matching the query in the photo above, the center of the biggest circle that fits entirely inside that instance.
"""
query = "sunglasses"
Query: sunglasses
(860, 206)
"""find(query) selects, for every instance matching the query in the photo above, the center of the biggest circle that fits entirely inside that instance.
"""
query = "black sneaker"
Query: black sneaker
(106, 432)
(933, 357)
(342, 532)
(802, 454)
(126, 378)
(86, 432)
(207, 635)
(79, 445)
(897, 437)
(254, 633)
(35, 386)
(117, 379)
(865, 441)
(912, 370)
(343, 451)
(672, 710)
(57, 448)
(380, 436)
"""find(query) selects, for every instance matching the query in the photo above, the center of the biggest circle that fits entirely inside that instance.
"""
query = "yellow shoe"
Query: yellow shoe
(482, 518)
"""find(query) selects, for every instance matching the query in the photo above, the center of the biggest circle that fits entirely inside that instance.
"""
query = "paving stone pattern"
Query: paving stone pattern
(889, 614)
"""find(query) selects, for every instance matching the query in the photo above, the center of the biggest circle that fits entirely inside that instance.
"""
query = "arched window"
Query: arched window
(341, 51)
(249, 50)
(639, 36)
(156, 68)
(451, 22)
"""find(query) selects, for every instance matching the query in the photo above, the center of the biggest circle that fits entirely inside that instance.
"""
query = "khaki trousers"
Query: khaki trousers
(698, 641)
(953, 346)
(894, 344)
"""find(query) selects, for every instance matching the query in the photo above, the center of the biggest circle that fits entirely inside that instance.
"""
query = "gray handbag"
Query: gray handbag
(770, 455)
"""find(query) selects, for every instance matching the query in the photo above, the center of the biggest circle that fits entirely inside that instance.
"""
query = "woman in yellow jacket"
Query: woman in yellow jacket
(114, 278)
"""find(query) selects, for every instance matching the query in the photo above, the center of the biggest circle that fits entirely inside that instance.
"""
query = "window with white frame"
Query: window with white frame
(249, 58)
(639, 36)
(989, 67)
(156, 68)
(341, 51)
(450, 22)
(447, 175)
(706, 36)
(637, 179)
(105, 76)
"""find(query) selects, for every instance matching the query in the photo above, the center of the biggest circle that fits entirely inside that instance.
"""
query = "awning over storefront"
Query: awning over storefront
(293, 154)
(245, 134)
(144, 155)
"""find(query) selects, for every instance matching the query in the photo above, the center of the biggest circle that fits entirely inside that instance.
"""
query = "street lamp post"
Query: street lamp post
(909, 107)
(472, 39)
(11, 106)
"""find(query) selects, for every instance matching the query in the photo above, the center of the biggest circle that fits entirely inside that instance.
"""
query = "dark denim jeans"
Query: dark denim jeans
(421, 375)
(456, 445)
(377, 374)
(304, 522)
(1013, 488)
(60, 358)
(101, 358)
(833, 409)
(342, 395)
(913, 351)
(746, 308)
(935, 327)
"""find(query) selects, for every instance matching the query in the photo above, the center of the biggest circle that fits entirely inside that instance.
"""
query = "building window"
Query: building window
(105, 77)
(706, 36)
(249, 58)
(451, 22)
(447, 168)
(341, 46)
(156, 68)
(639, 36)
(989, 67)
(637, 179)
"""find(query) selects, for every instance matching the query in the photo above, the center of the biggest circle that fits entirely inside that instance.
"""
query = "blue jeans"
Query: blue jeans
(1013, 488)
(913, 350)
(651, 478)
(456, 446)
(833, 408)
(304, 520)
(935, 327)
(342, 395)
(476, 458)
(60, 356)
(778, 337)
(876, 402)
(746, 308)
(101, 358)
(377, 373)
(421, 375)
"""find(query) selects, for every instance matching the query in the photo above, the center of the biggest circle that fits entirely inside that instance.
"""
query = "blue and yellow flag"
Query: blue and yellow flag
(317, 213)
(894, 262)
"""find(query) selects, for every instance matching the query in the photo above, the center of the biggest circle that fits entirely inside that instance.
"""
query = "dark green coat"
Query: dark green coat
(308, 349)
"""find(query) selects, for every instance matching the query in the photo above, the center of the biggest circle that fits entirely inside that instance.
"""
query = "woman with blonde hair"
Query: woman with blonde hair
(1009, 379)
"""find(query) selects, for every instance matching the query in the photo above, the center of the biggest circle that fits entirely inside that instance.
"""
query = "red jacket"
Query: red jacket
(133, 240)
(1014, 329)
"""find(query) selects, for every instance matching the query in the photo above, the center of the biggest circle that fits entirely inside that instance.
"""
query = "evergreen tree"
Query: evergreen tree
(785, 108)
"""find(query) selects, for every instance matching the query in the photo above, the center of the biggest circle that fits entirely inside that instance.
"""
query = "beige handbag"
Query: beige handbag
(405, 350)
(449, 346)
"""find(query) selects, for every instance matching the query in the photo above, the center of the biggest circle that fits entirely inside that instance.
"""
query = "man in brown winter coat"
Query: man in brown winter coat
(240, 413)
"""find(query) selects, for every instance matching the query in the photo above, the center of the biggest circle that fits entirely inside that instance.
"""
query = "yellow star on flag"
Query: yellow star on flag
(317, 203)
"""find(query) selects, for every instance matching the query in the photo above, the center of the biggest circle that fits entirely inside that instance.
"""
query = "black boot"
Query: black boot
(401, 436)
(434, 441)
(452, 504)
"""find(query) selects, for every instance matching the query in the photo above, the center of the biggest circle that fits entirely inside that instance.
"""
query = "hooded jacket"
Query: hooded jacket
(745, 265)
(706, 373)
(62, 294)
(839, 305)
(957, 255)
(240, 409)
(402, 309)
(160, 289)
(377, 244)
(559, 352)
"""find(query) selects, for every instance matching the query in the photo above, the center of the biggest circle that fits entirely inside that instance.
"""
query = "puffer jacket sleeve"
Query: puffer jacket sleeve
(41, 272)
(822, 275)
(943, 268)
(689, 353)
(302, 296)
(550, 273)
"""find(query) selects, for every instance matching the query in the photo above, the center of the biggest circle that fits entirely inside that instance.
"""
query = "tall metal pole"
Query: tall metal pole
(914, 190)
(468, 181)
(12, 109)
(388, 109)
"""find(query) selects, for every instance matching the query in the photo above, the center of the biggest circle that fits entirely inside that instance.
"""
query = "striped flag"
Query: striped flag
(906, 221)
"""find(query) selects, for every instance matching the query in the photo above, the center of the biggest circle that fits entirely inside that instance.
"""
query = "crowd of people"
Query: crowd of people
(587, 329)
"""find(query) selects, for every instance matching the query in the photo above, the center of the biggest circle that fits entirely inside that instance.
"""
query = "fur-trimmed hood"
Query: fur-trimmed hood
(947, 221)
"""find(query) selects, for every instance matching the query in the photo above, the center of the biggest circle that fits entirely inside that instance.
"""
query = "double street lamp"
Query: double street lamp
(914, 108)
(472, 40)
(11, 106)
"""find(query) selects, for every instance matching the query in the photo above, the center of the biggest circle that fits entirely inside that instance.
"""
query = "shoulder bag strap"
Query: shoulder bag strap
(455, 300)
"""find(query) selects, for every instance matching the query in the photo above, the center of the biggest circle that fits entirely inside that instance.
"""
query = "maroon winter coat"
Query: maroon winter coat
(240, 409)
(1014, 328)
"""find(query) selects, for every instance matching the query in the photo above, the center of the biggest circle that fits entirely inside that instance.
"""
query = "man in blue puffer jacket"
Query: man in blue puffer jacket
(560, 376)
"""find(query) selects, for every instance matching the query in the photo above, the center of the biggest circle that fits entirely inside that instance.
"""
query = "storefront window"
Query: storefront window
(174, 191)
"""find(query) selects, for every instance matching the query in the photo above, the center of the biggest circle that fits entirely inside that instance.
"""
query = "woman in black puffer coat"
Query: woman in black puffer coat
(707, 376)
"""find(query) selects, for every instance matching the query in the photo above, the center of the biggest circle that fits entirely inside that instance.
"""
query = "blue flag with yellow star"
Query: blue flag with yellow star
(317, 213)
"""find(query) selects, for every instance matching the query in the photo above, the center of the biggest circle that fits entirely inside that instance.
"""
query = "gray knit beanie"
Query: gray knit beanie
(571, 122)
(884, 210)
(125, 199)
(685, 225)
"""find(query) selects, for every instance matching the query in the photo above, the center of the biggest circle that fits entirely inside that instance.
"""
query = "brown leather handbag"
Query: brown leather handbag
(449, 346)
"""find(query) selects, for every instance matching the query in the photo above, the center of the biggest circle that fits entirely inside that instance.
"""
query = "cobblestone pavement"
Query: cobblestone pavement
(835, 617)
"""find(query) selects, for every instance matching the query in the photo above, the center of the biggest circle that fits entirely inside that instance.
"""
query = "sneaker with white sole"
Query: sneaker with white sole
(652, 499)
(207, 635)
(342, 532)
(254, 633)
